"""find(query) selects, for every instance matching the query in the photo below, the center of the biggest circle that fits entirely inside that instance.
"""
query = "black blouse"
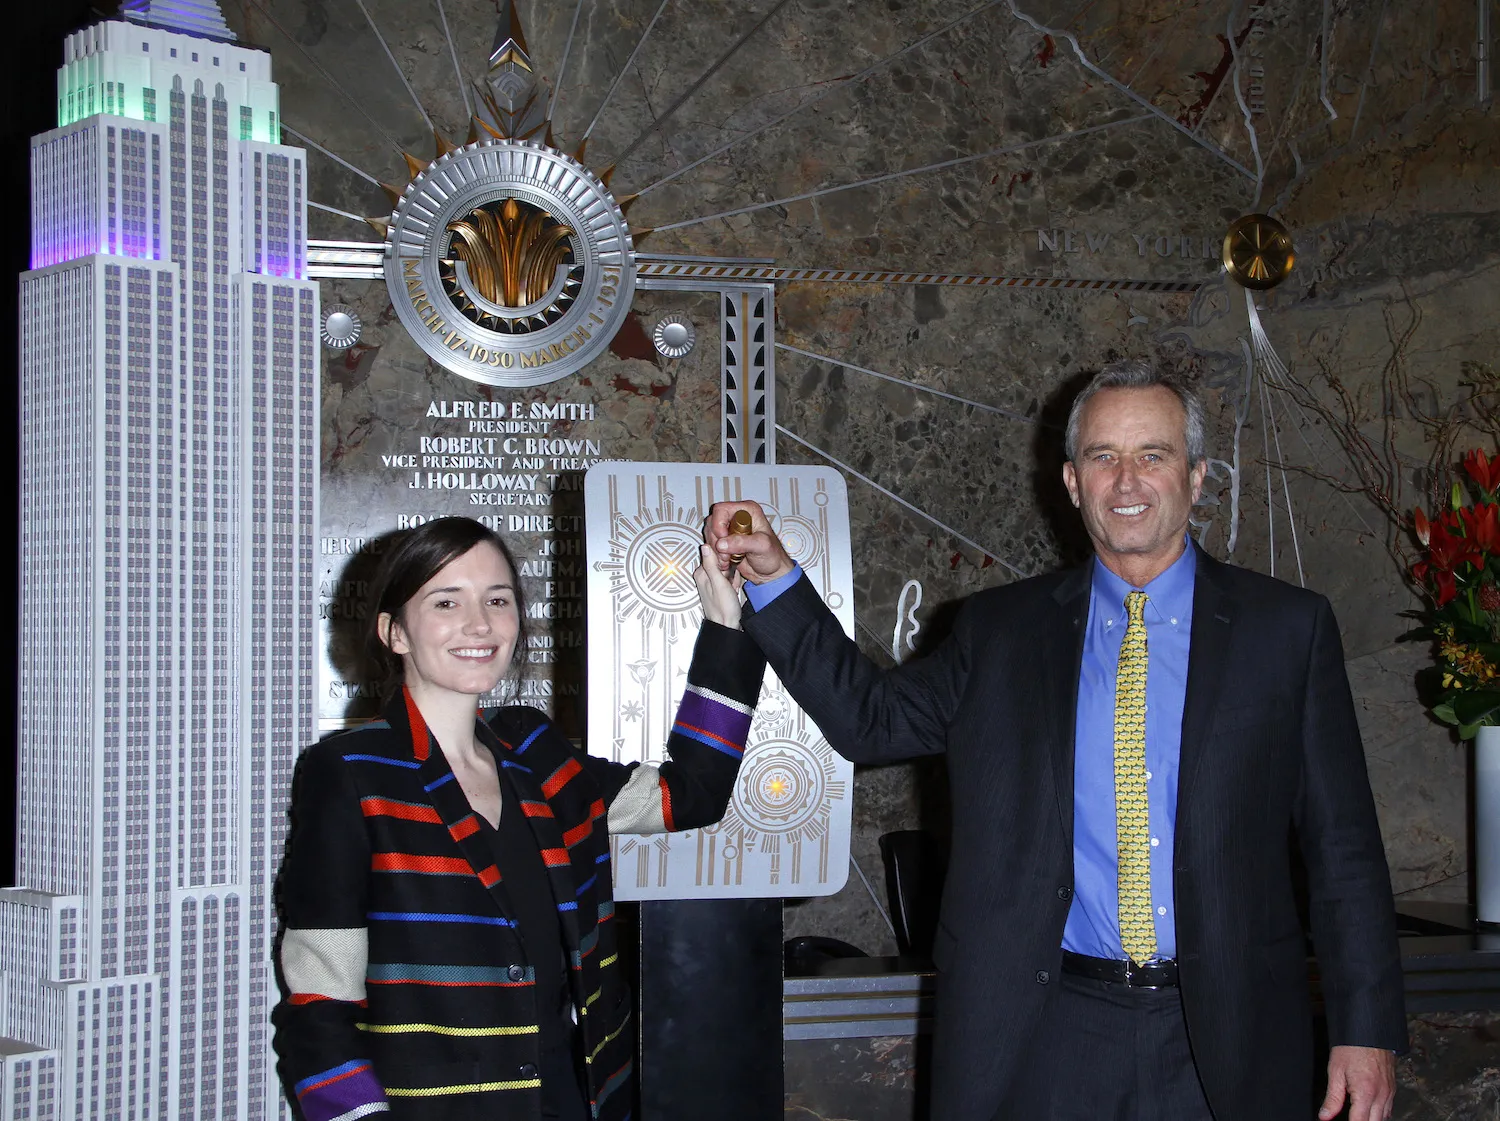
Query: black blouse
(529, 889)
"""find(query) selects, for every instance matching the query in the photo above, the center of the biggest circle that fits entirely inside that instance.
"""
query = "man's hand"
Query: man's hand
(764, 557)
(718, 594)
(1366, 1076)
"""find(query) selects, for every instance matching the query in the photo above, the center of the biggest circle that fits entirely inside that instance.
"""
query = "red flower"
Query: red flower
(1483, 470)
(1446, 588)
(1420, 526)
(1448, 551)
(1482, 527)
(1443, 588)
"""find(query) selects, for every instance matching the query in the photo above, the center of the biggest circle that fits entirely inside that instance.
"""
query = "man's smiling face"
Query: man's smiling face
(1131, 479)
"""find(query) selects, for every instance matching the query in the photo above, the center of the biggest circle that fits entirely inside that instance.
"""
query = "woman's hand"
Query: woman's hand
(718, 594)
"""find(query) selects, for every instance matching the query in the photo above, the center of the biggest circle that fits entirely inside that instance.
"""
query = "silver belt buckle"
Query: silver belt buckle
(1131, 973)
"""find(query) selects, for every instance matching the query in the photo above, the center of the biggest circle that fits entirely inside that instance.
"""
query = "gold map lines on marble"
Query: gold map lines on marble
(826, 88)
(894, 497)
(918, 386)
(1152, 110)
(396, 66)
(957, 161)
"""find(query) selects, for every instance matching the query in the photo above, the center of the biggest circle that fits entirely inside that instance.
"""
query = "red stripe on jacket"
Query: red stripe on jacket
(560, 777)
(407, 862)
(407, 811)
(666, 805)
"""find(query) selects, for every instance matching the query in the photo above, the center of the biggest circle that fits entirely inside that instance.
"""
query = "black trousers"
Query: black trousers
(1107, 1052)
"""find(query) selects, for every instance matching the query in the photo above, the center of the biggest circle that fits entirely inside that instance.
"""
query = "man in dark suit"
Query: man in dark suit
(1132, 748)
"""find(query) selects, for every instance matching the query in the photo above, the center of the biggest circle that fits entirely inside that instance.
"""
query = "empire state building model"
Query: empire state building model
(169, 380)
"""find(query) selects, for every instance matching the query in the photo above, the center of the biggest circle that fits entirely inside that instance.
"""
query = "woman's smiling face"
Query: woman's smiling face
(457, 634)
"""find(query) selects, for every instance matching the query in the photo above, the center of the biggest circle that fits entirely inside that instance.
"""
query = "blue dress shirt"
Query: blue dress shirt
(1093, 925)
(761, 594)
(1094, 920)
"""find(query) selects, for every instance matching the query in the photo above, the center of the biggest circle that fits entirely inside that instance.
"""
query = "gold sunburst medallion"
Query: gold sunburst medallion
(509, 262)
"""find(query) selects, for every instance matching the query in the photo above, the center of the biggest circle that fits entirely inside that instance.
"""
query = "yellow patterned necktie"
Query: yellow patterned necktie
(1132, 821)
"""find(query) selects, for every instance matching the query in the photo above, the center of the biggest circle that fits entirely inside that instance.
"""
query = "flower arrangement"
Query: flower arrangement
(1460, 575)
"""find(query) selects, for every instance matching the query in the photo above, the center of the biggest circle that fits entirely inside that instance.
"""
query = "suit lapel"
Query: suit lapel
(441, 786)
(1208, 660)
(1062, 661)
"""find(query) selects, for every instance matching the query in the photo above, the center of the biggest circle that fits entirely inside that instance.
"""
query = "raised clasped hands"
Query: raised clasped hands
(718, 591)
(763, 558)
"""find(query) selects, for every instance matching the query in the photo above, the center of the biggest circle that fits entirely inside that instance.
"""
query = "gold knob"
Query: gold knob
(739, 524)
(1257, 252)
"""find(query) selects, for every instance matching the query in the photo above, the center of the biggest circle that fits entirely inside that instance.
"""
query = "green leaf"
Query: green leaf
(1470, 633)
(1444, 712)
(1481, 706)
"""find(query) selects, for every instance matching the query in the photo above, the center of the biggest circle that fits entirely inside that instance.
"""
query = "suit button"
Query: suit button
(528, 1070)
(1065, 893)
(516, 973)
(1042, 976)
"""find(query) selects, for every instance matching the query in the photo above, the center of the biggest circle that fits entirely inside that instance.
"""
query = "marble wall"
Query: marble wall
(1112, 140)
(1449, 1075)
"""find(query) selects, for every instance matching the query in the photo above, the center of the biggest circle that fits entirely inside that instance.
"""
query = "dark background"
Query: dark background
(32, 51)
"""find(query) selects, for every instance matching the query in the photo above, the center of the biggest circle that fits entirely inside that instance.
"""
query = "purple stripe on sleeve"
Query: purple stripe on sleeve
(338, 1092)
(719, 717)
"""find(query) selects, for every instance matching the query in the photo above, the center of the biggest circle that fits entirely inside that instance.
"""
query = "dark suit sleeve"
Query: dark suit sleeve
(1353, 915)
(869, 715)
(691, 788)
(323, 947)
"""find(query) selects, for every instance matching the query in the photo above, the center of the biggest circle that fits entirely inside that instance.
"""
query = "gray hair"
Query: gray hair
(1136, 373)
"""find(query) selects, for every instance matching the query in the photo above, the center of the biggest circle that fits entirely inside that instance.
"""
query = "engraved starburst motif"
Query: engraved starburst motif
(650, 566)
(783, 803)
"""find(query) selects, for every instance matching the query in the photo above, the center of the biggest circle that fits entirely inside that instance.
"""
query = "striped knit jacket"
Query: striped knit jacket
(405, 985)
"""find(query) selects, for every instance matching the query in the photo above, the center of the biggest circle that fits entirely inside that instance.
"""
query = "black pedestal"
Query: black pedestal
(710, 1001)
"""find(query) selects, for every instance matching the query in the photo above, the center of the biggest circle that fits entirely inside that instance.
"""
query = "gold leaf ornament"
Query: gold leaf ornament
(511, 250)
(1258, 252)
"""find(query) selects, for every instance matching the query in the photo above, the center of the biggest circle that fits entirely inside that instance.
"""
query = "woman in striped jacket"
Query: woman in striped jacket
(448, 946)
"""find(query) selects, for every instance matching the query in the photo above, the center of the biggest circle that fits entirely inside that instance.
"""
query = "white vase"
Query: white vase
(1487, 824)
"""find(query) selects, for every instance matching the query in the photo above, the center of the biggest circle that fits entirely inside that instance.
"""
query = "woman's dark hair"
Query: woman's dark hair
(414, 557)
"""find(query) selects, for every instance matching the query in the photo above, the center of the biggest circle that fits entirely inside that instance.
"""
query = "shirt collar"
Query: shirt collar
(1171, 593)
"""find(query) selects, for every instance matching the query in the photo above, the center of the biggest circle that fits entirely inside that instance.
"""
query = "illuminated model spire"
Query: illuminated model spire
(192, 17)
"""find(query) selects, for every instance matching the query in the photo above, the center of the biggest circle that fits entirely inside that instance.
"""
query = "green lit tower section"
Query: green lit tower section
(169, 369)
(135, 83)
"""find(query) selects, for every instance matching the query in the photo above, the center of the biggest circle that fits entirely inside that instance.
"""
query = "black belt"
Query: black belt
(1152, 975)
